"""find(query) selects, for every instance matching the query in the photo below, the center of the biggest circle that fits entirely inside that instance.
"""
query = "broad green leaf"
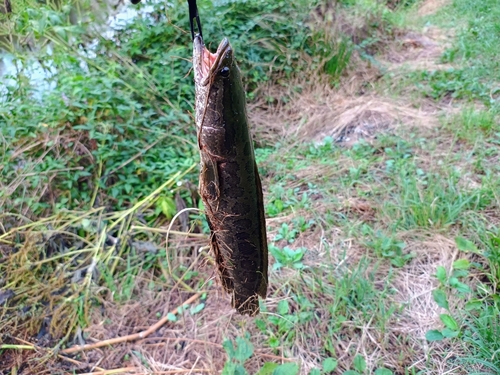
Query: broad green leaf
(448, 333)
(434, 335)
(61, 31)
(350, 372)
(298, 266)
(278, 203)
(167, 205)
(86, 223)
(315, 371)
(398, 262)
(228, 347)
(171, 317)
(287, 369)
(229, 368)
(461, 287)
(244, 349)
(359, 363)
(383, 371)
(261, 325)
(196, 309)
(474, 304)
(495, 240)
(440, 297)
(277, 266)
(240, 370)
(267, 369)
(449, 322)
(283, 307)
(274, 342)
(464, 244)
(461, 264)
(441, 274)
(201, 205)
(329, 365)
(457, 273)
(290, 253)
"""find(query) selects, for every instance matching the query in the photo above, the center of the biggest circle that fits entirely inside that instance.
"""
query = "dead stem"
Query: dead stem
(135, 336)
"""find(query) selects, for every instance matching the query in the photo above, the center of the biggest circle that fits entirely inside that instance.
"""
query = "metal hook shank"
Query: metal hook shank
(193, 13)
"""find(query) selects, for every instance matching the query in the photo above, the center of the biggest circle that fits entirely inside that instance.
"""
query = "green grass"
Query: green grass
(473, 126)
(475, 47)
(481, 333)
(473, 54)
(440, 202)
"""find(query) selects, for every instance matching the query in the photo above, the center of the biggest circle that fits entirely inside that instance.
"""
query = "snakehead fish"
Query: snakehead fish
(230, 185)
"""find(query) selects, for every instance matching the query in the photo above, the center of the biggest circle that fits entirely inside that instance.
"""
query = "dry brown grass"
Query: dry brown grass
(341, 113)
(414, 284)
(194, 343)
(429, 7)
(419, 51)
(312, 109)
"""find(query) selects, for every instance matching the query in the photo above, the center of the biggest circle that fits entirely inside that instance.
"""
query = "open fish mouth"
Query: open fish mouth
(207, 63)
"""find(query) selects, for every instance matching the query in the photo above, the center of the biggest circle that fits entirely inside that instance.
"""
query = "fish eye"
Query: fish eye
(224, 72)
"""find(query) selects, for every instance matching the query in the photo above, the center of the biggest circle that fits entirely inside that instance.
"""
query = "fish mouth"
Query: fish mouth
(207, 63)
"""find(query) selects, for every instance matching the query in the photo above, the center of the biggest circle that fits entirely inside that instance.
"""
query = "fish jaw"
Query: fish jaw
(206, 64)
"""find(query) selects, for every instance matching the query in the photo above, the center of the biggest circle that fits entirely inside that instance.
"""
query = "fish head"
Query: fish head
(211, 67)
(219, 98)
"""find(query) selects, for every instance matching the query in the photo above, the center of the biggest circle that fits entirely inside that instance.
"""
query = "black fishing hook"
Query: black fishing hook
(193, 13)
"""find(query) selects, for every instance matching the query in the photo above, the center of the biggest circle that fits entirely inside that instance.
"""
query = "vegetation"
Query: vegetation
(378, 143)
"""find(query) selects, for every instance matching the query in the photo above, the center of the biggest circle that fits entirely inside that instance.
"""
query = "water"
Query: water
(39, 76)
(7, 68)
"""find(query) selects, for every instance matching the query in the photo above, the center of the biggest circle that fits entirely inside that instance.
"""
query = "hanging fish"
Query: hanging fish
(230, 185)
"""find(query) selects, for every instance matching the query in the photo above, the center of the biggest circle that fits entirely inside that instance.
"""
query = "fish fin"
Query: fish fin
(262, 288)
(222, 269)
(245, 304)
(209, 190)
(209, 179)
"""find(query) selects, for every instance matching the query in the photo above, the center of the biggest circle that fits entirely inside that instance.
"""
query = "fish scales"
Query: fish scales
(230, 185)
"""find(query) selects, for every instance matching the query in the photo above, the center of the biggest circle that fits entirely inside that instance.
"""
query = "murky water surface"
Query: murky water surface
(39, 76)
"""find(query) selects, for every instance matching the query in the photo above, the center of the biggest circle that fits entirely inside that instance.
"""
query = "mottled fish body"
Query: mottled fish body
(230, 185)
